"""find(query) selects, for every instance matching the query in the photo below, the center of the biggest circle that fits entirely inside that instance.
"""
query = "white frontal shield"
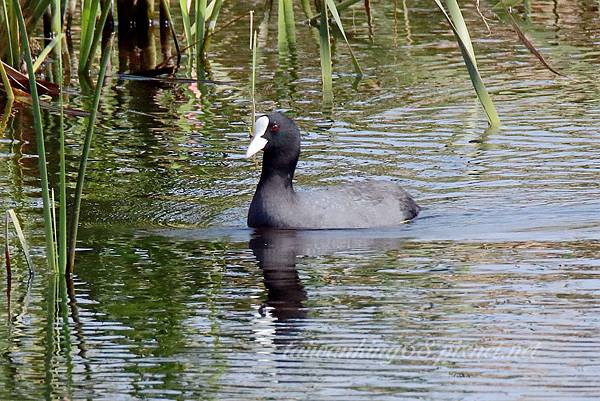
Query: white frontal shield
(258, 143)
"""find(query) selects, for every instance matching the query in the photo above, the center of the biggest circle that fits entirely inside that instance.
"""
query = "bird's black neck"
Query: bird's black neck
(277, 173)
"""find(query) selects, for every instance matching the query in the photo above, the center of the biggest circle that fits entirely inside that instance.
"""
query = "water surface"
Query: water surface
(492, 293)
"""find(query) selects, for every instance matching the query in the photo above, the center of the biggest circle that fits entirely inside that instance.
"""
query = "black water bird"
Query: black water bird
(276, 204)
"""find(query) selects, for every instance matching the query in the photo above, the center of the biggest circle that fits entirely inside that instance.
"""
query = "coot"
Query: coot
(276, 203)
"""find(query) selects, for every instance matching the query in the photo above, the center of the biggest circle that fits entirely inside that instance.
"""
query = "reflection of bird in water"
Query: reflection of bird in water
(276, 253)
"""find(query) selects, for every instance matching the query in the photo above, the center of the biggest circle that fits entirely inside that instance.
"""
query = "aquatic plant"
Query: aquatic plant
(40, 139)
(254, 49)
(55, 225)
(457, 23)
(199, 20)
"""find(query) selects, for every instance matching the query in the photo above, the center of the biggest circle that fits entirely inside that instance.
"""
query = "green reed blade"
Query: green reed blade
(207, 14)
(6, 83)
(461, 27)
(290, 23)
(340, 7)
(209, 10)
(200, 29)
(480, 89)
(213, 15)
(89, 134)
(16, 44)
(336, 16)
(39, 131)
(9, 41)
(36, 11)
(251, 37)
(282, 41)
(44, 53)
(165, 7)
(54, 228)
(105, 10)
(88, 26)
(185, 16)
(253, 78)
(62, 195)
(325, 49)
(10, 214)
(305, 4)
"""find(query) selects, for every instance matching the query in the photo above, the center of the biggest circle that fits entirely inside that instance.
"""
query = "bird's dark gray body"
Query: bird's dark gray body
(359, 205)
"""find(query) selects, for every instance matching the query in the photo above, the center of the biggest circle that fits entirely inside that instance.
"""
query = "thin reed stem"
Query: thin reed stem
(62, 195)
(39, 131)
(89, 134)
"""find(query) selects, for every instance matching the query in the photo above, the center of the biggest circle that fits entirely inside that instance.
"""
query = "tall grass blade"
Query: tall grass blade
(10, 32)
(209, 9)
(37, 10)
(340, 7)
(89, 134)
(325, 49)
(305, 4)
(10, 214)
(338, 21)
(44, 53)
(480, 89)
(213, 15)
(253, 47)
(54, 228)
(165, 7)
(185, 17)
(88, 26)
(460, 26)
(6, 83)
(97, 35)
(200, 29)
(282, 39)
(62, 195)
(529, 45)
(290, 23)
(254, 56)
(13, 26)
(251, 37)
(41, 147)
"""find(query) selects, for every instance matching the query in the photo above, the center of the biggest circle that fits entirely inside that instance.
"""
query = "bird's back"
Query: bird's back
(360, 205)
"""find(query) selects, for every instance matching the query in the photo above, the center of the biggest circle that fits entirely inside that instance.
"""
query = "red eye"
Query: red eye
(274, 128)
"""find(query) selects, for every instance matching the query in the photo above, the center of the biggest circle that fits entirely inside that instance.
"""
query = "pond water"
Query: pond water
(492, 293)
